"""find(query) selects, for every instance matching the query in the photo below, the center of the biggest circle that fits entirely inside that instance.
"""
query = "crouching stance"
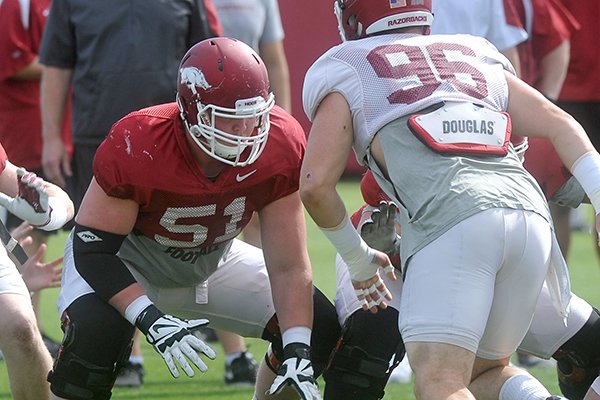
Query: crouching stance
(154, 248)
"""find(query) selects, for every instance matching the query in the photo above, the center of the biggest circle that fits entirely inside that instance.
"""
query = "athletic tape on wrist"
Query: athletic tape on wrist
(58, 215)
(587, 172)
(353, 249)
(135, 308)
(296, 334)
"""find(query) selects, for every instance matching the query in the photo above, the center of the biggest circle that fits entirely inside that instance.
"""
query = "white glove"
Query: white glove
(173, 339)
(379, 231)
(297, 373)
(31, 204)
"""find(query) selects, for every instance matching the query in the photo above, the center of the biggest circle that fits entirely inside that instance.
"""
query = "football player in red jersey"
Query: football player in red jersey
(477, 245)
(154, 243)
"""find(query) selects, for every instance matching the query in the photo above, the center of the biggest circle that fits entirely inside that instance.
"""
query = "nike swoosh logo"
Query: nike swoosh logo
(158, 328)
(240, 178)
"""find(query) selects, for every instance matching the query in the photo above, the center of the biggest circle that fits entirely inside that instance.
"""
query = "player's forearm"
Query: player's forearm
(318, 191)
(292, 297)
(327, 151)
(126, 297)
(280, 83)
(273, 55)
(553, 71)
(54, 89)
(325, 207)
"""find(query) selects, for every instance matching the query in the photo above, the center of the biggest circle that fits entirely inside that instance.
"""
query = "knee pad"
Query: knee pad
(578, 360)
(325, 334)
(360, 364)
(96, 344)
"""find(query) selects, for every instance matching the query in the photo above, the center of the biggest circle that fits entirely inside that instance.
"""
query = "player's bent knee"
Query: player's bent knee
(76, 379)
(578, 360)
(20, 331)
(360, 365)
(92, 352)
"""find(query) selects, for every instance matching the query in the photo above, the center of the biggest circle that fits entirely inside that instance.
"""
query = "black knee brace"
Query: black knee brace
(96, 344)
(325, 333)
(360, 365)
(578, 360)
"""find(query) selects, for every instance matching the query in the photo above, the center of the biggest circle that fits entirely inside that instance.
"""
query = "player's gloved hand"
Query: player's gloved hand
(31, 204)
(379, 231)
(173, 339)
(297, 373)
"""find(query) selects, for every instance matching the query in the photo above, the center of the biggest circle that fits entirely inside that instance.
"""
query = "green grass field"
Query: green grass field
(159, 384)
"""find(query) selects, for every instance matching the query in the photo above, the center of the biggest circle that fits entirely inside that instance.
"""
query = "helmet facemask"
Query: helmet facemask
(227, 147)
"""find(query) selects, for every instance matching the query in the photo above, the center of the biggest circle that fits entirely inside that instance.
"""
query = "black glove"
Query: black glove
(296, 372)
(379, 231)
(173, 339)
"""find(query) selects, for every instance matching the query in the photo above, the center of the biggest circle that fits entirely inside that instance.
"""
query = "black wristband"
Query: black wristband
(296, 350)
(148, 317)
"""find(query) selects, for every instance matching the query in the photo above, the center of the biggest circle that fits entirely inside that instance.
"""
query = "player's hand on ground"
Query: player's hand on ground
(39, 275)
(174, 340)
(296, 372)
(31, 204)
(379, 230)
(372, 292)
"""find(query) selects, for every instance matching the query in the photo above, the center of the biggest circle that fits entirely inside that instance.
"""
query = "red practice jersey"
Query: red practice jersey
(22, 25)
(146, 158)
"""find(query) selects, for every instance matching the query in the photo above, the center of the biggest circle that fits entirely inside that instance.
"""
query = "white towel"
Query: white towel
(558, 282)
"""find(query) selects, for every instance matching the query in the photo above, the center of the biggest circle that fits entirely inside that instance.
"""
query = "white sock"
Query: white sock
(523, 387)
(230, 357)
(136, 360)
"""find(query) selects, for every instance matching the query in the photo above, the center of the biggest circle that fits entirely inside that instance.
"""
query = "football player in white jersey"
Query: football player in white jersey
(573, 344)
(431, 116)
